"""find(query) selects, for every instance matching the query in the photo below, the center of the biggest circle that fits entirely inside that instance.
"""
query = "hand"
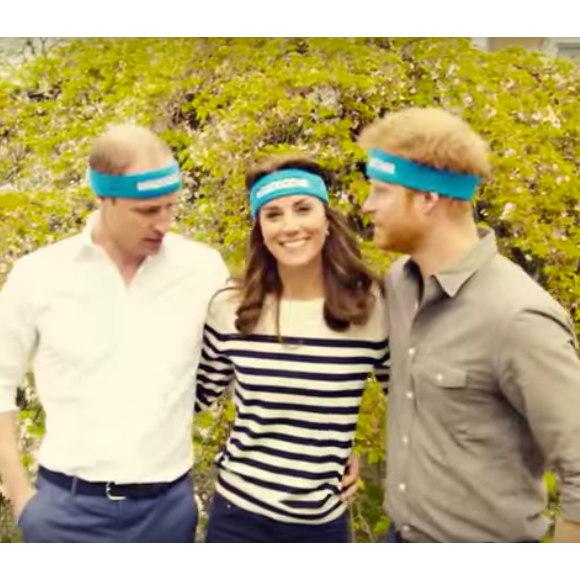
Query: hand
(567, 532)
(349, 484)
(20, 500)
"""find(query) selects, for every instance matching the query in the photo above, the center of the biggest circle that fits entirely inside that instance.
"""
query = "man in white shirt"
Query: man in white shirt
(111, 321)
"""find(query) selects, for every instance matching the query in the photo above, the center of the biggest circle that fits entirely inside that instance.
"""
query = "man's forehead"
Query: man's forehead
(384, 186)
(154, 202)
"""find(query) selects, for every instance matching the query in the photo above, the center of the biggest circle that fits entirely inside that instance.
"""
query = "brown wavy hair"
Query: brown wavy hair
(350, 285)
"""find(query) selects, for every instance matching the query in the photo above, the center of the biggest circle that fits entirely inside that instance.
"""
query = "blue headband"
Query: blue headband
(286, 182)
(390, 169)
(137, 186)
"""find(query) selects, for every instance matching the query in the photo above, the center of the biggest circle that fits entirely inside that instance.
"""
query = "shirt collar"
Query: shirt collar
(452, 278)
(85, 238)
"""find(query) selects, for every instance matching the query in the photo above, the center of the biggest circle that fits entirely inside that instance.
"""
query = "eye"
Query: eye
(303, 209)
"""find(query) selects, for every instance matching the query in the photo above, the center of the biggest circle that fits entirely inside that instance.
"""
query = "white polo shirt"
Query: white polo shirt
(114, 365)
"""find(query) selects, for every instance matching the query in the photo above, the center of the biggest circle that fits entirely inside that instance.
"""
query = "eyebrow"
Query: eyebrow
(154, 206)
(296, 204)
(147, 207)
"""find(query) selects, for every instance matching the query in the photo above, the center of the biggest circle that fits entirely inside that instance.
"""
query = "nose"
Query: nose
(290, 224)
(368, 205)
(163, 222)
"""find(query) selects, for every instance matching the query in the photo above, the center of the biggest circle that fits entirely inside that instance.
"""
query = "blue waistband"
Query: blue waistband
(391, 169)
(146, 185)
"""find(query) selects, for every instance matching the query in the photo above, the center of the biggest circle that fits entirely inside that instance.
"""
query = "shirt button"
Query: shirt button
(402, 487)
(410, 396)
(412, 352)
(439, 378)
(405, 440)
(405, 529)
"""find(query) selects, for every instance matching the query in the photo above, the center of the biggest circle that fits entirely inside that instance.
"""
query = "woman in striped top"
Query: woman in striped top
(297, 338)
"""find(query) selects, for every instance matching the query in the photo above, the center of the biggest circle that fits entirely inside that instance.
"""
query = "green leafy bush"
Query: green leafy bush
(225, 102)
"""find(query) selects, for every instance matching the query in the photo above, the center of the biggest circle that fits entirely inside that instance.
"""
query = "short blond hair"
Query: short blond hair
(431, 137)
(121, 146)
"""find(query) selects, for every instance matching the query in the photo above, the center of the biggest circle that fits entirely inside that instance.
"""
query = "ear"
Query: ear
(327, 226)
(429, 201)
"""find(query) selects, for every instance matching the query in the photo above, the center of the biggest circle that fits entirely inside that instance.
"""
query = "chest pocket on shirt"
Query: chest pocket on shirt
(449, 378)
(443, 392)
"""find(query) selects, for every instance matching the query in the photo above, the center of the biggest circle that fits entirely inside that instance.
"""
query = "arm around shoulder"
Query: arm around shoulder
(539, 373)
(215, 371)
(383, 364)
(383, 371)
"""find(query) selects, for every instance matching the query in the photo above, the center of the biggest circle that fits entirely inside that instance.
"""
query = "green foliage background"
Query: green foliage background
(224, 102)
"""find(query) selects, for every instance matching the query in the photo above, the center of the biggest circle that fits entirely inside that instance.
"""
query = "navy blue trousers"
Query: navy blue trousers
(55, 515)
(230, 524)
(393, 537)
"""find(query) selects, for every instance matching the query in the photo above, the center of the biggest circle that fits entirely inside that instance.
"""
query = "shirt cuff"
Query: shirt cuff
(8, 402)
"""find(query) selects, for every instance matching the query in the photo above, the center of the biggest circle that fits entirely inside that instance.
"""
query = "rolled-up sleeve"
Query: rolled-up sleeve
(17, 335)
(539, 373)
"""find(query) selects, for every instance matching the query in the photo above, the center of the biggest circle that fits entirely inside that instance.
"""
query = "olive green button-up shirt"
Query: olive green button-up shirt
(484, 397)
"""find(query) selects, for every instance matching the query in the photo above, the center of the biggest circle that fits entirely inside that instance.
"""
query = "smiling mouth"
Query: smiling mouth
(294, 244)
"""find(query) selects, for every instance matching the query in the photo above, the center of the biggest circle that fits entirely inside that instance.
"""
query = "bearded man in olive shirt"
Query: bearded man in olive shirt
(485, 377)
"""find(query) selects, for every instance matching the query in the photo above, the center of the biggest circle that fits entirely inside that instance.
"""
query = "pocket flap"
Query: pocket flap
(445, 376)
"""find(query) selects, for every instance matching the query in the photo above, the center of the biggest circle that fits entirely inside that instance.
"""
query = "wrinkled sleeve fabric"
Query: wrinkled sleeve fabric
(540, 376)
(215, 371)
(18, 333)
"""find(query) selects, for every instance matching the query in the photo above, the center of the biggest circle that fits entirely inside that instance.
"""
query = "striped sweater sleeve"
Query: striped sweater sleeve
(383, 370)
(215, 371)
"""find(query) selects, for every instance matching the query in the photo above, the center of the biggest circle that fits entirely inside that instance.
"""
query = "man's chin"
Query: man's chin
(388, 245)
(383, 243)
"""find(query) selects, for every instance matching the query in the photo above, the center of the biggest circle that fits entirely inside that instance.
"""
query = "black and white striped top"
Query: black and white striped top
(297, 404)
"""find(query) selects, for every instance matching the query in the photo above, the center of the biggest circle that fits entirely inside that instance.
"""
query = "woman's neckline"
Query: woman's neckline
(298, 301)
